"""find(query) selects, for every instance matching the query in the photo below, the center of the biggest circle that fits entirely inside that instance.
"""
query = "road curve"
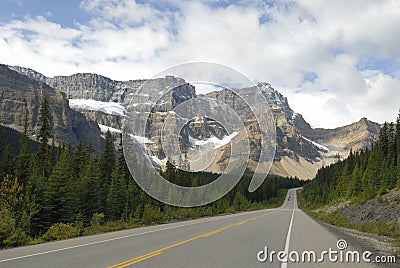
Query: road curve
(238, 240)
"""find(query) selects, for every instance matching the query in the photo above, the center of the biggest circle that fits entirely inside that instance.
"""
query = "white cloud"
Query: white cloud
(343, 44)
(382, 98)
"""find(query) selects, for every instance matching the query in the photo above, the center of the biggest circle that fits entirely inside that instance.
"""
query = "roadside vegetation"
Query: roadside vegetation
(361, 191)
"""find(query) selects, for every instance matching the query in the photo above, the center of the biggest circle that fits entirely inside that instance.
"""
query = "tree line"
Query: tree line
(363, 175)
(52, 192)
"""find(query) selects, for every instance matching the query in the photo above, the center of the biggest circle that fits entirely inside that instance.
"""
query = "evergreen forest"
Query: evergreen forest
(362, 176)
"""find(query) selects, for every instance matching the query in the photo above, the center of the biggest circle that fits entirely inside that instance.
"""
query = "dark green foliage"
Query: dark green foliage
(106, 167)
(60, 195)
(89, 188)
(363, 175)
(44, 123)
(24, 156)
(44, 132)
(7, 163)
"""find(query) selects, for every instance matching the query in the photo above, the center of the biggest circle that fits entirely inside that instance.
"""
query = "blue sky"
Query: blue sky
(334, 64)
(66, 13)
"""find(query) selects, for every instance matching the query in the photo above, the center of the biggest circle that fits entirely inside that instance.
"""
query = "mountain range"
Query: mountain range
(84, 106)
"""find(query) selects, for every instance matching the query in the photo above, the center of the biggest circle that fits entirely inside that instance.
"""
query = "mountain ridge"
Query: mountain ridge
(300, 151)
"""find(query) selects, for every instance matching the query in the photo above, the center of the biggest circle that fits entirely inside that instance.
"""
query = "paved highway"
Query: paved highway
(239, 240)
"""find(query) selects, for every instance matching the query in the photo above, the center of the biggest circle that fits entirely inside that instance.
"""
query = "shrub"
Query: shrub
(152, 215)
(60, 231)
(10, 236)
(17, 238)
(97, 219)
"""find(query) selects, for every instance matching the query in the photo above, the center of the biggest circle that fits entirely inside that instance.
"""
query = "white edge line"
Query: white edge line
(284, 264)
(127, 236)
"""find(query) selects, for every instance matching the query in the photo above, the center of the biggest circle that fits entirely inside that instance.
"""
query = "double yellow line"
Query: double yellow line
(160, 251)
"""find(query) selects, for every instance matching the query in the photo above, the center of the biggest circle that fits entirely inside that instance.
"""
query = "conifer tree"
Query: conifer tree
(397, 139)
(89, 188)
(343, 181)
(116, 196)
(24, 156)
(60, 195)
(355, 183)
(106, 166)
(371, 177)
(384, 140)
(391, 144)
(44, 124)
(170, 172)
(6, 161)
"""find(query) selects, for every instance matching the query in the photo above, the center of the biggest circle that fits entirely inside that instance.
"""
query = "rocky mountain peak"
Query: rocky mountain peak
(276, 100)
(29, 73)
(364, 122)
(300, 151)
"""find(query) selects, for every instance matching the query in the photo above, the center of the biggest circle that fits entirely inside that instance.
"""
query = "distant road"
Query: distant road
(222, 241)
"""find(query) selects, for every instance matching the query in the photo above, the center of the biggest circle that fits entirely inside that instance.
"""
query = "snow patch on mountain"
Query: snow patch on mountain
(104, 129)
(213, 141)
(319, 146)
(112, 108)
(142, 140)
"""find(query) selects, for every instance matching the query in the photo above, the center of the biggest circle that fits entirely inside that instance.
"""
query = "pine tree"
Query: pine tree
(35, 190)
(60, 197)
(44, 124)
(131, 197)
(391, 144)
(29, 211)
(384, 139)
(116, 197)
(397, 139)
(89, 188)
(372, 174)
(343, 181)
(355, 183)
(82, 154)
(6, 161)
(170, 172)
(24, 156)
(106, 166)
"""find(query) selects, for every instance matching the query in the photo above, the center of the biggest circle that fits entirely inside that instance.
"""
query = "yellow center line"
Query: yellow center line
(211, 233)
(160, 251)
(140, 259)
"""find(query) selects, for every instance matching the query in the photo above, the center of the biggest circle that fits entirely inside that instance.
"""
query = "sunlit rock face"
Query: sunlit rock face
(300, 149)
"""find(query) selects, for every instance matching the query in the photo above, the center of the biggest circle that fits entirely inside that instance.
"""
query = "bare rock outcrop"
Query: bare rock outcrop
(19, 93)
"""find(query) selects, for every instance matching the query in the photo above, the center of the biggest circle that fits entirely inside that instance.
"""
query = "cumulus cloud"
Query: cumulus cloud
(335, 61)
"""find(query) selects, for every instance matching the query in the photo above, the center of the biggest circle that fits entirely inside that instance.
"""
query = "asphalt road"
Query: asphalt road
(238, 240)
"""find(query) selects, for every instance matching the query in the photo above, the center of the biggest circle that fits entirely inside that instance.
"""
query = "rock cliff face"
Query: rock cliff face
(355, 136)
(19, 93)
(100, 88)
(129, 94)
(300, 149)
(289, 139)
